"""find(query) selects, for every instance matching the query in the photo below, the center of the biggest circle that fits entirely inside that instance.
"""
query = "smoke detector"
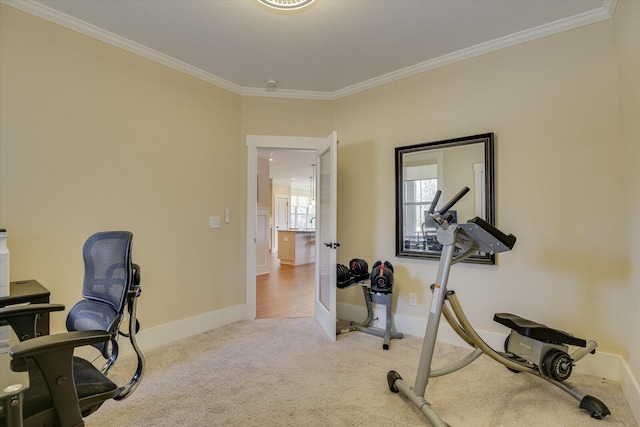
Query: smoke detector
(271, 83)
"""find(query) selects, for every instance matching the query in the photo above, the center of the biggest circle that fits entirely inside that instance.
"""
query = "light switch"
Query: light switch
(214, 222)
(226, 216)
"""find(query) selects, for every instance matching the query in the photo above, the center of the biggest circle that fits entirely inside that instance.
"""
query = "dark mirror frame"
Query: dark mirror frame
(487, 140)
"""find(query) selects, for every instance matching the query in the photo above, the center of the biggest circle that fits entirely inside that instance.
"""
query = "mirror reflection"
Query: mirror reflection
(448, 165)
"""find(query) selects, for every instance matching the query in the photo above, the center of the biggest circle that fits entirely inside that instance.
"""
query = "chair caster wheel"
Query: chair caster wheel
(392, 376)
(595, 407)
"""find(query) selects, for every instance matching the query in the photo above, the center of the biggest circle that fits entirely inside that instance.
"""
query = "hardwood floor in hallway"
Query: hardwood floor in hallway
(287, 291)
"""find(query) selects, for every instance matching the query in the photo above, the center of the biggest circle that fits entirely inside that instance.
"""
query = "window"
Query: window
(302, 213)
(418, 196)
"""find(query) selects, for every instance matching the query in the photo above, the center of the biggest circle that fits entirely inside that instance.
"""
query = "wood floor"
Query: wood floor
(287, 291)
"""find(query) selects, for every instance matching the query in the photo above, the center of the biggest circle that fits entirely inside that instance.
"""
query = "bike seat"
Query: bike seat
(537, 331)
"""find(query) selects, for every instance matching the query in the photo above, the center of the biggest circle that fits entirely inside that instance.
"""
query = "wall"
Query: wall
(285, 117)
(628, 51)
(552, 104)
(95, 138)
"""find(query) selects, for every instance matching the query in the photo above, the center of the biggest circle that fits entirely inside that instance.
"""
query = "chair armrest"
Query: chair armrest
(22, 318)
(50, 343)
(53, 354)
(28, 309)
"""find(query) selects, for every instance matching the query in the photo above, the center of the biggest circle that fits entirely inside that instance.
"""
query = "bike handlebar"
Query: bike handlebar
(451, 202)
(432, 208)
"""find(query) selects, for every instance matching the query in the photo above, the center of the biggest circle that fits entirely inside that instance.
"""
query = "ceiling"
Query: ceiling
(331, 49)
(291, 168)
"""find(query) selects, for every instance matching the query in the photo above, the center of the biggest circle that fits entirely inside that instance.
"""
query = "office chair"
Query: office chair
(63, 389)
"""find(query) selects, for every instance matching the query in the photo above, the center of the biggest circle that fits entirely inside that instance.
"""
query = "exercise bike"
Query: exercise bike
(531, 347)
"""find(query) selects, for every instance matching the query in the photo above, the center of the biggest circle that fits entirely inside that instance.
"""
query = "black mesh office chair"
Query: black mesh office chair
(63, 389)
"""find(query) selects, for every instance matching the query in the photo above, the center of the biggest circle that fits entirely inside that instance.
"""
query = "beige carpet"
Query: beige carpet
(284, 372)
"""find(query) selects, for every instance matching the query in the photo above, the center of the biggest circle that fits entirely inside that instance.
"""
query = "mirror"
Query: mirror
(448, 166)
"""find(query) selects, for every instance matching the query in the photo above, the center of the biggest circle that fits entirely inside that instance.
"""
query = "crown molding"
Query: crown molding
(284, 93)
(605, 12)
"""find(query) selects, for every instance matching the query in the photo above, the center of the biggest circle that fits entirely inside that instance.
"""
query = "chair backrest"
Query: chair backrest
(108, 268)
(109, 276)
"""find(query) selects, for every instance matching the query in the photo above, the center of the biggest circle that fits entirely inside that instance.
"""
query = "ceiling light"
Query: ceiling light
(286, 4)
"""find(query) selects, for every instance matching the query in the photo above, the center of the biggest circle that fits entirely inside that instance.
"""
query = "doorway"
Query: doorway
(326, 150)
(286, 287)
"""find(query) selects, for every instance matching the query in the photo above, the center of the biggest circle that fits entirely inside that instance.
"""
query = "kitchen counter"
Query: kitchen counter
(296, 247)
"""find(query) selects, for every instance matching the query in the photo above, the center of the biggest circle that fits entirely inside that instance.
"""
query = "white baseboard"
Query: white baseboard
(601, 364)
(170, 332)
(631, 389)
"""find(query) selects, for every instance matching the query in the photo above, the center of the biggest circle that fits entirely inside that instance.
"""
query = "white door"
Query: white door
(326, 219)
(281, 217)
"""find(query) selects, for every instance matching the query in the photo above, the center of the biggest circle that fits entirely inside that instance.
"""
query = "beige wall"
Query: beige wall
(95, 138)
(628, 51)
(285, 117)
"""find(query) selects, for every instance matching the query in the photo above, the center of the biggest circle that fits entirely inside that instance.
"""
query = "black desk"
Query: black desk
(13, 384)
(32, 292)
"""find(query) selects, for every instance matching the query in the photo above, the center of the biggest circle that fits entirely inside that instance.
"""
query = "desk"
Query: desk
(12, 385)
(32, 292)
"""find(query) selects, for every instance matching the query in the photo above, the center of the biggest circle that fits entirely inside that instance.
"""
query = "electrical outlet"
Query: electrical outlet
(413, 299)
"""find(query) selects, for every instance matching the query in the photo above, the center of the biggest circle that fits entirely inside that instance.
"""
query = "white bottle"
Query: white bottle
(4, 264)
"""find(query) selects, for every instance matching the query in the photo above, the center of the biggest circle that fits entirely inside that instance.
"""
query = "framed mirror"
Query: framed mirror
(448, 166)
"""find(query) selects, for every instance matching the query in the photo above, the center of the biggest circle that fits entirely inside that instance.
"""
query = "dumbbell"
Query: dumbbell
(359, 268)
(382, 277)
(343, 276)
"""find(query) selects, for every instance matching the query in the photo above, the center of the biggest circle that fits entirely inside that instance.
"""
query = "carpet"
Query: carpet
(285, 372)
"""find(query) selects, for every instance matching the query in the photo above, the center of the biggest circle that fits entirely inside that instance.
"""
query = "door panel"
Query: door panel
(281, 217)
(326, 214)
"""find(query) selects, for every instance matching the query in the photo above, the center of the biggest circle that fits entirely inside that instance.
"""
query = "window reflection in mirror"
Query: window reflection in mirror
(448, 166)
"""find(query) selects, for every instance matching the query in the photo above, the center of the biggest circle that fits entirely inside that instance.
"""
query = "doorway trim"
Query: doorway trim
(254, 142)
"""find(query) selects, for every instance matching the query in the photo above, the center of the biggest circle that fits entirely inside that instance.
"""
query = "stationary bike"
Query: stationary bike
(531, 347)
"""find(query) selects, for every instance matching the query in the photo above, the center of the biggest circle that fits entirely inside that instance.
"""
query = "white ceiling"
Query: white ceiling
(331, 49)
(291, 167)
